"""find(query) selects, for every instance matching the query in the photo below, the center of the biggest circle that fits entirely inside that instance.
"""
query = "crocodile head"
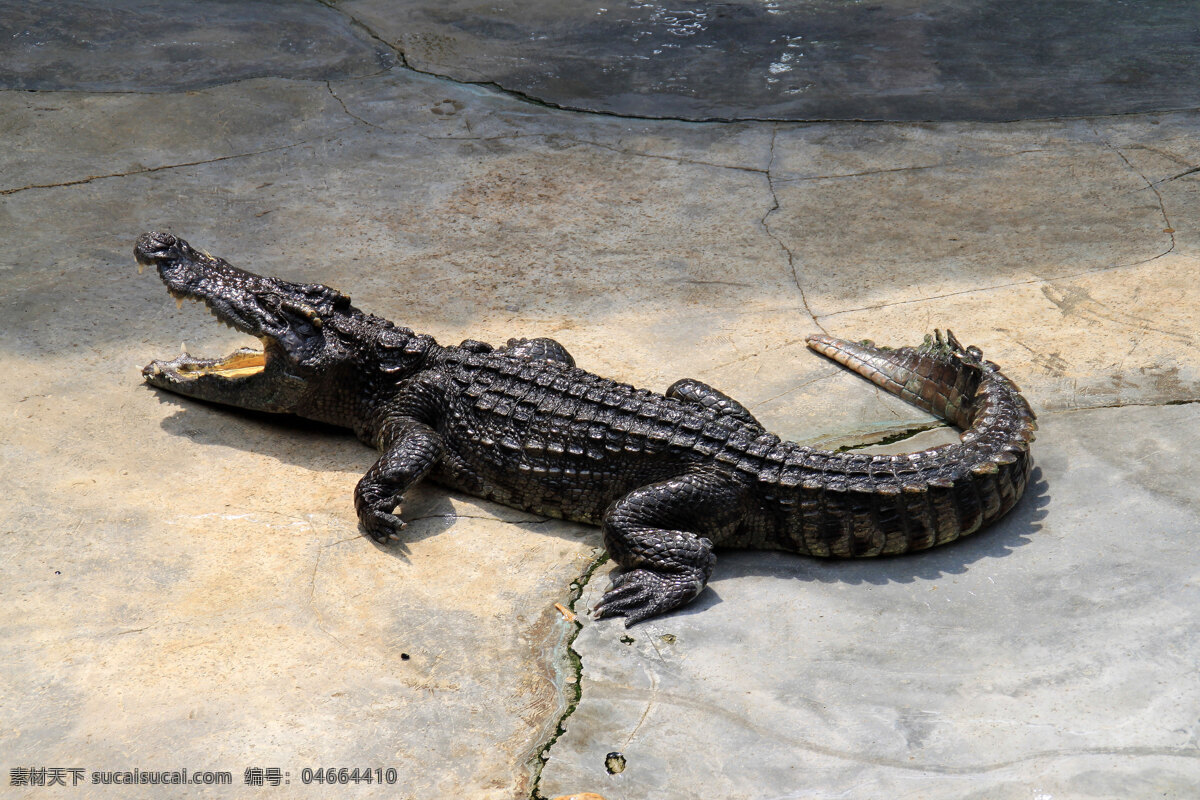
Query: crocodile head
(317, 350)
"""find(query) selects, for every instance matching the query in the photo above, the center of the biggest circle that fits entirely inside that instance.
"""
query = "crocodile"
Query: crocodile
(669, 477)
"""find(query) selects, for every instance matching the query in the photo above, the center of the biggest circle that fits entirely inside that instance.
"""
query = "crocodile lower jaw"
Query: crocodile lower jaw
(242, 363)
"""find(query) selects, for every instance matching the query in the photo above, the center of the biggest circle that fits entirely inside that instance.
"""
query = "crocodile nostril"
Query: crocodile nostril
(153, 244)
(163, 239)
(149, 242)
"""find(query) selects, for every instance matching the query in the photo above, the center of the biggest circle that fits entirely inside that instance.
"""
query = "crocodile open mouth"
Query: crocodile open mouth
(241, 364)
(238, 365)
(245, 362)
(287, 319)
(224, 292)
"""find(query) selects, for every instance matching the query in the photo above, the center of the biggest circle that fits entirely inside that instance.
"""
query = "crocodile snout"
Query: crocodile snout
(153, 246)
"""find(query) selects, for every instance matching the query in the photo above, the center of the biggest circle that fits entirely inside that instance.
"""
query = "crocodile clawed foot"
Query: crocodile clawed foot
(641, 593)
(382, 526)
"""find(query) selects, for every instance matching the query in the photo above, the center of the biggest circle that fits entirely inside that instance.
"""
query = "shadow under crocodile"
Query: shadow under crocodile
(318, 447)
(996, 541)
(429, 511)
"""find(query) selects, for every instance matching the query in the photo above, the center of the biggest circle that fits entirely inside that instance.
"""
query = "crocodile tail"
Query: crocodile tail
(940, 376)
(877, 504)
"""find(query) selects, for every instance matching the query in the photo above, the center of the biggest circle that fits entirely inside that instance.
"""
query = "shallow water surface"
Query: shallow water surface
(814, 59)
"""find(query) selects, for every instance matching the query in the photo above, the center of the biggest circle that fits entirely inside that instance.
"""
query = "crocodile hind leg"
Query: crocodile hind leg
(694, 391)
(541, 349)
(660, 535)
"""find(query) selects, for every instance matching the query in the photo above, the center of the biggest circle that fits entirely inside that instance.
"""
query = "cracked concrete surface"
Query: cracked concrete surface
(1052, 655)
(187, 587)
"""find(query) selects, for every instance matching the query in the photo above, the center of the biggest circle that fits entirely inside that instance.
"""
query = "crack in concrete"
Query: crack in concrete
(349, 113)
(188, 623)
(1162, 207)
(402, 60)
(677, 159)
(913, 168)
(747, 356)
(355, 22)
(796, 388)
(1167, 154)
(336, 542)
(312, 592)
(695, 282)
(574, 662)
(160, 168)
(649, 701)
(132, 630)
(766, 226)
(893, 438)
(497, 138)
(1183, 174)
(1044, 412)
(189, 88)
(864, 173)
(542, 521)
(525, 97)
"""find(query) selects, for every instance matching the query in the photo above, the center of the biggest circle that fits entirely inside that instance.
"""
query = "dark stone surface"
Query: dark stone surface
(812, 59)
(177, 44)
(807, 60)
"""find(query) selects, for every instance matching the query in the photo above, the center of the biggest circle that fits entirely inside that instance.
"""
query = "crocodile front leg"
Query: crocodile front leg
(411, 449)
(659, 534)
(404, 431)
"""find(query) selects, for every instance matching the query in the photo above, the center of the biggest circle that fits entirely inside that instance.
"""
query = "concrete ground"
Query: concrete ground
(186, 588)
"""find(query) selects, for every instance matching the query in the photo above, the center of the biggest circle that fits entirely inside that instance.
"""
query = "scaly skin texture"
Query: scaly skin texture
(669, 476)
